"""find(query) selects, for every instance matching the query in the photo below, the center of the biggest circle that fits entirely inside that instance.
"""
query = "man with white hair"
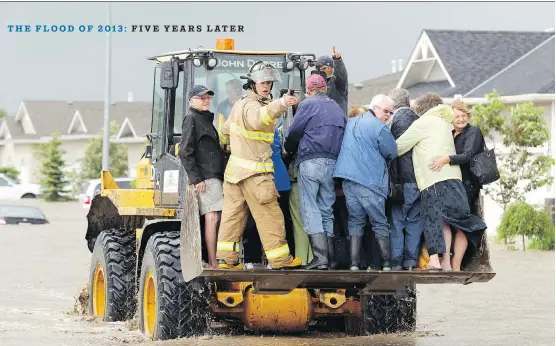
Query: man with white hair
(406, 209)
(362, 164)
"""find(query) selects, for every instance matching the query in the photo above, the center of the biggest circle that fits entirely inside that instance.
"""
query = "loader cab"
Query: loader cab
(219, 70)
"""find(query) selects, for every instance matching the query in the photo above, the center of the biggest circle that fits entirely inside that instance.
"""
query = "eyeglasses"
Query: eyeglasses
(385, 111)
(204, 98)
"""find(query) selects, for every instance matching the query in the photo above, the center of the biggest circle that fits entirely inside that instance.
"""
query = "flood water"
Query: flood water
(44, 267)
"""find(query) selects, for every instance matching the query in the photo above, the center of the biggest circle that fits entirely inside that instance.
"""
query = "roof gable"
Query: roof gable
(4, 130)
(472, 57)
(77, 125)
(126, 130)
(424, 66)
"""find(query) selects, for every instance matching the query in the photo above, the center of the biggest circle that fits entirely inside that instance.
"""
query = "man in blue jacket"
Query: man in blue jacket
(362, 163)
(317, 132)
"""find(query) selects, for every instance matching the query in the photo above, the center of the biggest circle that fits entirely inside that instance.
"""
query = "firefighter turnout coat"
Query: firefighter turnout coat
(249, 183)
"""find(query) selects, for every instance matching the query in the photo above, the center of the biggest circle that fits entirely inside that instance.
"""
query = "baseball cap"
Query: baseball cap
(200, 90)
(325, 61)
(315, 81)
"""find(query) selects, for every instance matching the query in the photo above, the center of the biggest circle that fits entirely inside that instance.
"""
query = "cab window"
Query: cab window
(226, 83)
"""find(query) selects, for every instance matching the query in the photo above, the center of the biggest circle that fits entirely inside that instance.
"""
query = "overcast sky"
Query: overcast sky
(70, 66)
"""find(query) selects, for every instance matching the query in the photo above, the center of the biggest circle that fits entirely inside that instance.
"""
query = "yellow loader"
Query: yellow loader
(147, 244)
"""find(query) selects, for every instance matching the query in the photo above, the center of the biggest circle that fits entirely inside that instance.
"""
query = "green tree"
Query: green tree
(52, 179)
(2, 113)
(529, 222)
(92, 161)
(489, 116)
(522, 127)
(10, 172)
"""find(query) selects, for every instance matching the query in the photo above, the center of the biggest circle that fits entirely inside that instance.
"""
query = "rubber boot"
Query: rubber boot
(319, 244)
(355, 244)
(385, 252)
(332, 264)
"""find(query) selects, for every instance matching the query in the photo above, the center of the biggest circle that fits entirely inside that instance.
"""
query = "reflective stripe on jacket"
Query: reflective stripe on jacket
(249, 130)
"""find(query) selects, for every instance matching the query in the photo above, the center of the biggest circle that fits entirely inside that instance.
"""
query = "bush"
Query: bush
(11, 173)
(529, 222)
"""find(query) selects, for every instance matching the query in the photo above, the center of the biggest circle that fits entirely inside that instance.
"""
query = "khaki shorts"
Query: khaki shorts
(211, 199)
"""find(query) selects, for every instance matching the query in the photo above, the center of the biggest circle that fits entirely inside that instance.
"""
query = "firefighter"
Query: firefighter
(248, 180)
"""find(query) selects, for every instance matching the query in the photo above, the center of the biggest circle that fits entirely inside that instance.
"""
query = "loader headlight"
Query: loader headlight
(303, 64)
(211, 63)
(287, 65)
(197, 62)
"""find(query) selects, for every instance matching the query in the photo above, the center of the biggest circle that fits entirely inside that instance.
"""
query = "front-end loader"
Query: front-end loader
(147, 242)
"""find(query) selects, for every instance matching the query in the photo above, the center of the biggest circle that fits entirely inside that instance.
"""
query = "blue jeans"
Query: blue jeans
(317, 195)
(362, 202)
(405, 249)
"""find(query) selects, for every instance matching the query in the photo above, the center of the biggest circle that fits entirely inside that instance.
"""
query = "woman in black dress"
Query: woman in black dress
(469, 141)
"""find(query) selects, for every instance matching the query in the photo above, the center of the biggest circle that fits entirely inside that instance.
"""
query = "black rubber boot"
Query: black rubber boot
(385, 252)
(332, 264)
(355, 244)
(319, 244)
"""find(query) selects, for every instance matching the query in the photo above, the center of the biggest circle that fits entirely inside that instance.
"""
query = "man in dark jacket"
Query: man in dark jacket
(316, 132)
(336, 78)
(202, 158)
(404, 214)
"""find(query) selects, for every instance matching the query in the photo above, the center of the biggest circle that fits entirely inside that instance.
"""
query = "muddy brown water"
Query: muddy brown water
(44, 268)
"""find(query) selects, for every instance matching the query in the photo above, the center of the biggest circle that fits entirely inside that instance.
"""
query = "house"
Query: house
(467, 65)
(77, 122)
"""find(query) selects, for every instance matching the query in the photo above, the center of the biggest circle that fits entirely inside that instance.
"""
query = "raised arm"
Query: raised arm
(264, 118)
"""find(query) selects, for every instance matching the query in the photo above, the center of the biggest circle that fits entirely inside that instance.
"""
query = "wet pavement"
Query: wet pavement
(44, 267)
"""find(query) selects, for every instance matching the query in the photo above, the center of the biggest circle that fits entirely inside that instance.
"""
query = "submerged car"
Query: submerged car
(20, 215)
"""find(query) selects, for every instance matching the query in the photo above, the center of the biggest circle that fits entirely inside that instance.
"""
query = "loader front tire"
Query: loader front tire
(170, 308)
(112, 276)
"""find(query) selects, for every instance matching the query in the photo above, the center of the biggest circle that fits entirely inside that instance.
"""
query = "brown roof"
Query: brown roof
(372, 87)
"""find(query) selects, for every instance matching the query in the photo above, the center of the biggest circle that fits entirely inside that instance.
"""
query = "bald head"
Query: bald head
(382, 106)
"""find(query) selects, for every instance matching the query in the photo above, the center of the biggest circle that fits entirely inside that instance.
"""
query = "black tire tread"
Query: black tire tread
(184, 309)
(118, 250)
(387, 314)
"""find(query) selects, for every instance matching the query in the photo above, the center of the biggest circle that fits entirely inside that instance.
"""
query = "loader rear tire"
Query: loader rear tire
(385, 314)
(170, 308)
(394, 313)
(112, 286)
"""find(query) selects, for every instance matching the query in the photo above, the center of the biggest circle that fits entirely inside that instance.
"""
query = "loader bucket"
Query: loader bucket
(102, 215)
(190, 232)
(370, 282)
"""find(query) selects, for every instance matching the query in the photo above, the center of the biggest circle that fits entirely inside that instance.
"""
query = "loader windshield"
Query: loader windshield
(225, 81)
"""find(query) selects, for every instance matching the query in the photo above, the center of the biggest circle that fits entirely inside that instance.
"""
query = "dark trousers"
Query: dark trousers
(252, 247)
